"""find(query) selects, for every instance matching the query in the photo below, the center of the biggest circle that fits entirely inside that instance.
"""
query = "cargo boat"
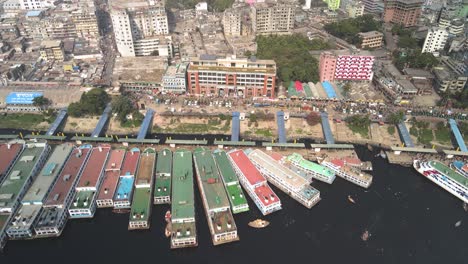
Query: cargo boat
(254, 183)
(349, 173)
(84, 203)
(184, 231)
(283, 178)
(445, 177)
(124, 193)
(111, 177)
(142, 199)
(310, 170)
(231, 183)
(18, 180)
(54, 216)
(215, 202)
(9, 152)
(162, 186)
(22, 224)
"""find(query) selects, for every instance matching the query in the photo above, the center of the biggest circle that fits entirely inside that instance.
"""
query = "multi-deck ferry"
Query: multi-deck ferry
(233, 188)
(460, 167)
(142, 199)
(445, 177)
(111, 177)
(310, 169)
(349, 173)
(162, 186)
(218, 211)
(123, 194)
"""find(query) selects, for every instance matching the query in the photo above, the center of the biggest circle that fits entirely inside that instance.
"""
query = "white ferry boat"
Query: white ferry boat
(460, 167)
(349, 173)
(445, 177)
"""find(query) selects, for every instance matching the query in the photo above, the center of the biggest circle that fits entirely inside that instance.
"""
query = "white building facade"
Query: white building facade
(435, 40)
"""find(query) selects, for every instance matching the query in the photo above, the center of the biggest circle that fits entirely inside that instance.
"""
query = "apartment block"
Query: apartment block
(333, 4)
(405, 12)
(175, 79)
(273, 18)
(238, 77)
(435, 40)
(352, 67)
(51, 50)
(136, 23)
(371, 39)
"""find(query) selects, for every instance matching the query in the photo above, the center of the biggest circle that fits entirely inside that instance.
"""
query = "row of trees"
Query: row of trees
(292, 56)
(348, 29)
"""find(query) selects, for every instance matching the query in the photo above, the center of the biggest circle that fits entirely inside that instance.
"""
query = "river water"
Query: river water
(410, 219)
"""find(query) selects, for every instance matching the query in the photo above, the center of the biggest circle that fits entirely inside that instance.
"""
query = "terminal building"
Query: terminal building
(22, 101)
(241, 77)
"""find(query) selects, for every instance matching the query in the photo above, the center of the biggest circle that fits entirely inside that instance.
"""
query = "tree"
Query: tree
(91, 103)
(41, 102)
(122, 105)
(396, 117)
(313, 118)
(347, 88)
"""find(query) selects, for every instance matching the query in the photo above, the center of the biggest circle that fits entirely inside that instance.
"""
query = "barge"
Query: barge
(162, 186)
(111, 177)
(124, 193)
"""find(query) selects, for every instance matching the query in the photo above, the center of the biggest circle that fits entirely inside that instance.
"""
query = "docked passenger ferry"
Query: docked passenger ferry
(445, 177)
(460, 167)
(347, 172)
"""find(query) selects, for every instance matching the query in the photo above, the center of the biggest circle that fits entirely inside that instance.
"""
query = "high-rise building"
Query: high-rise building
(241, 77)
(352, 67)
(333, 4)
(355, 9)
(35, 4)
(435, 40)
(232, 22)
(404, 12)
(136, 23)
(273, 18)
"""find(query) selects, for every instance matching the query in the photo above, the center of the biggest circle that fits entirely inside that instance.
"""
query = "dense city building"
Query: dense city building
(371, 39)
(273, 18)
(353, 67)
(175, 79)
(333, 4)
(51, 50)
(435, 40)
(136, 24)
(404, 12)
(240, 77)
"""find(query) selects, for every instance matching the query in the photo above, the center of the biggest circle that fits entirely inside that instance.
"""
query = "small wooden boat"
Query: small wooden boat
(168, 216)
(457, 224)
(259, 223)
(168, 229)
(121, 211)
(365, 236)
(465, 207)
(351, 199)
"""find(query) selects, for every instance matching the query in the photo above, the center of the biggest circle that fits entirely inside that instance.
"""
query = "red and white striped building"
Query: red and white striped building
(354, 67)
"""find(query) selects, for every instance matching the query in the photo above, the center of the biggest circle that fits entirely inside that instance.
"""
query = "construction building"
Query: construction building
(404, 12)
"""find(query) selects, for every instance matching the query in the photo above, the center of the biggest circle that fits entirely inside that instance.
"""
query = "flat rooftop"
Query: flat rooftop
(124, 188)
(115, 160)
(212, 184)
(370, 34)
(182, 185)
(19, 174)
(69, 175)
(130, 163)
(288, 176)
(25, 216)
(450, 173)
(139, 69)
(111, 174)
(135, 4)
(162, 186)
(141, 203)
(309, 165)
(234, 191)
(266, 195)
(48, 217)
(146, 168)
(83, 200)
(51, 43)
(42, 184)
(247, 168)
(8, 152)
(92, 171)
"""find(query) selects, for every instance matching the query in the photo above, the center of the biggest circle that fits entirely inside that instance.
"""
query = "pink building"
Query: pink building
(356, 67)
